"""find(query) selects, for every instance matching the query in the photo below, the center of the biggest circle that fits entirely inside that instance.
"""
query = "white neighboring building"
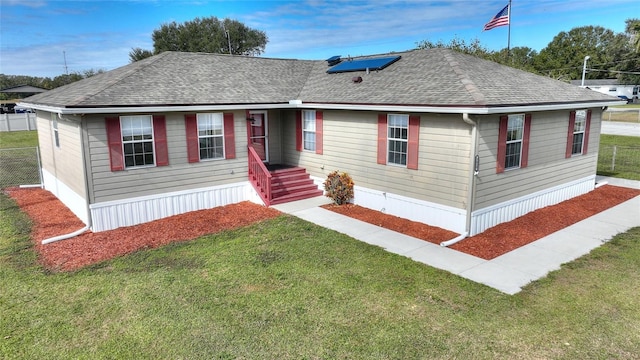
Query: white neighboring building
(611, 87)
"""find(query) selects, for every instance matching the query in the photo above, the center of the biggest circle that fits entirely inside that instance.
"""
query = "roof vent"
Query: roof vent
(357, 79)
(334, 60)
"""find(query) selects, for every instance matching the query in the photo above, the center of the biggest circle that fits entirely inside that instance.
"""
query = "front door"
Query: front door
(258, 135)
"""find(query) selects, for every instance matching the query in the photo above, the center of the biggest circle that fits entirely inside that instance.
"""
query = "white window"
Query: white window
(211, 136)
(578, 132)
(56, 135)
(397, 138)
(137, 140)
(309, 129)
(515, 133)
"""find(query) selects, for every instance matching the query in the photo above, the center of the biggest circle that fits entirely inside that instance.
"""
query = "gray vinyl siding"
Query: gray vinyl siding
(45, 140)
(547, 165)
(179, 175)
(350, 145)
(64, 162)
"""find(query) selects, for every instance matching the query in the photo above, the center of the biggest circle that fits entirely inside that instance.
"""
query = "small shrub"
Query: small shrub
(339, 187)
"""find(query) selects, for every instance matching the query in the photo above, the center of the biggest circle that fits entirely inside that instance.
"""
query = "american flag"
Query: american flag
(501, 19)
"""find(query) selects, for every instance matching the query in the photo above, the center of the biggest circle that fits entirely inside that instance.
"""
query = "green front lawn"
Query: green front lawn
(287, 289)
(623, 161)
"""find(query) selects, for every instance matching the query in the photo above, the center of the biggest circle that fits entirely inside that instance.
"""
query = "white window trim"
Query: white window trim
(153, 145)
(583, 131)
(521, 141)
(55, 132)
(221, 115)
(312, 117)
(389, 139)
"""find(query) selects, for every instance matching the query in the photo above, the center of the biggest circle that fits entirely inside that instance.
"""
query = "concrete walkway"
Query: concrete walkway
(507, 273)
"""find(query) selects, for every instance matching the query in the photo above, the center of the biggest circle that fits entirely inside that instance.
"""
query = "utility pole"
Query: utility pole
(64, 55)
(226, 33)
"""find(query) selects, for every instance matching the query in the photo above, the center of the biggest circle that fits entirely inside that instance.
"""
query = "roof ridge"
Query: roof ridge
(469, 85)
(132, 69)
(307, 77)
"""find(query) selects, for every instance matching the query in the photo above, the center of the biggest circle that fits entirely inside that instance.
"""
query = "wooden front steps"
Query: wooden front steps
(291, 184)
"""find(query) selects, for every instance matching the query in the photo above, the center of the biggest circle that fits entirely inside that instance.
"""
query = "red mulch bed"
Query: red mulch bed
(504, 237)
(51, 218)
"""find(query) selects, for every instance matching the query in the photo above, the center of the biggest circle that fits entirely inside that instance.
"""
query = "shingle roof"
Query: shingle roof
(435, 77)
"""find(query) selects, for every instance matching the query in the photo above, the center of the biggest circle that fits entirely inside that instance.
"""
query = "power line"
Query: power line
(616, 71)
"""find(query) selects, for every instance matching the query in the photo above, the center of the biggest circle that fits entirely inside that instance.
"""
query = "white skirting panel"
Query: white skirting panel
(76, 203)
(426, 212)
(493, 215)
(114, 214)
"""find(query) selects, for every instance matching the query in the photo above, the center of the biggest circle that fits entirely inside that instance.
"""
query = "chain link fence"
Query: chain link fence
(619, 160)
(20, 166)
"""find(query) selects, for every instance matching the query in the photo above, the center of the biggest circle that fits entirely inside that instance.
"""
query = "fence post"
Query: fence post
(613, 158)
(39, 167)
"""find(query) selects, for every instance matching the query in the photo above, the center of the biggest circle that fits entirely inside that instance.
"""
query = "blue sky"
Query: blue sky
(96, 34)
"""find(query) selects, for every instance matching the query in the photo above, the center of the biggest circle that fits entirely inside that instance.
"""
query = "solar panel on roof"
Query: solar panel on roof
(364, 64)
(334, 60)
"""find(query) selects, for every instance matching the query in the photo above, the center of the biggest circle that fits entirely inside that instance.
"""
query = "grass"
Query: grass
(288, 289)
(18, 158)
(627, 164)
(626, 116)
(18, 139)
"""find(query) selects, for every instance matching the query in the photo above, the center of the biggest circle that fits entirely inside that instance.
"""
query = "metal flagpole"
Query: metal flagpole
(509, 35)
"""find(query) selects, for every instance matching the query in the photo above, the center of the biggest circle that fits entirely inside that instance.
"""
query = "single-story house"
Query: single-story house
(434, 136)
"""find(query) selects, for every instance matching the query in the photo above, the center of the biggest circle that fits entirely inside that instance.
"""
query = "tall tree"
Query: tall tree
(564, 55)
(629, 66)
(632, 28)
(474, 47)
(520, 57)
(137, 54)
(209, 35)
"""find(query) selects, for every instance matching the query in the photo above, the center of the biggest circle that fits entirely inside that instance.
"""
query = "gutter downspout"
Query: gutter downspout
(86, 186)
(472, 181)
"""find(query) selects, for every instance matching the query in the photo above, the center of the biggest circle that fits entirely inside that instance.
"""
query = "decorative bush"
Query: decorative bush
(339, 187)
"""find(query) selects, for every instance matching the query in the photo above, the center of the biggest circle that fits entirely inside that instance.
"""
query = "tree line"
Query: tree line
(611, 55)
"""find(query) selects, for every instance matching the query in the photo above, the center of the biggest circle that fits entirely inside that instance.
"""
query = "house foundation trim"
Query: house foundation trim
(72, 200)
(485, 218)
(446, 217)
(110, 215)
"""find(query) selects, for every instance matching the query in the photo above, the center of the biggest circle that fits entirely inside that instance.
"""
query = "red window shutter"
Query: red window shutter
(319, 120)
(524, 161)
(382, 139)
(229, 137)
(572, 123)
(248, 117)
(502, 144)
(413, 142)
(160, 140)
(587, 126)
(193, 145)
(114, 141)
(299, 130)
